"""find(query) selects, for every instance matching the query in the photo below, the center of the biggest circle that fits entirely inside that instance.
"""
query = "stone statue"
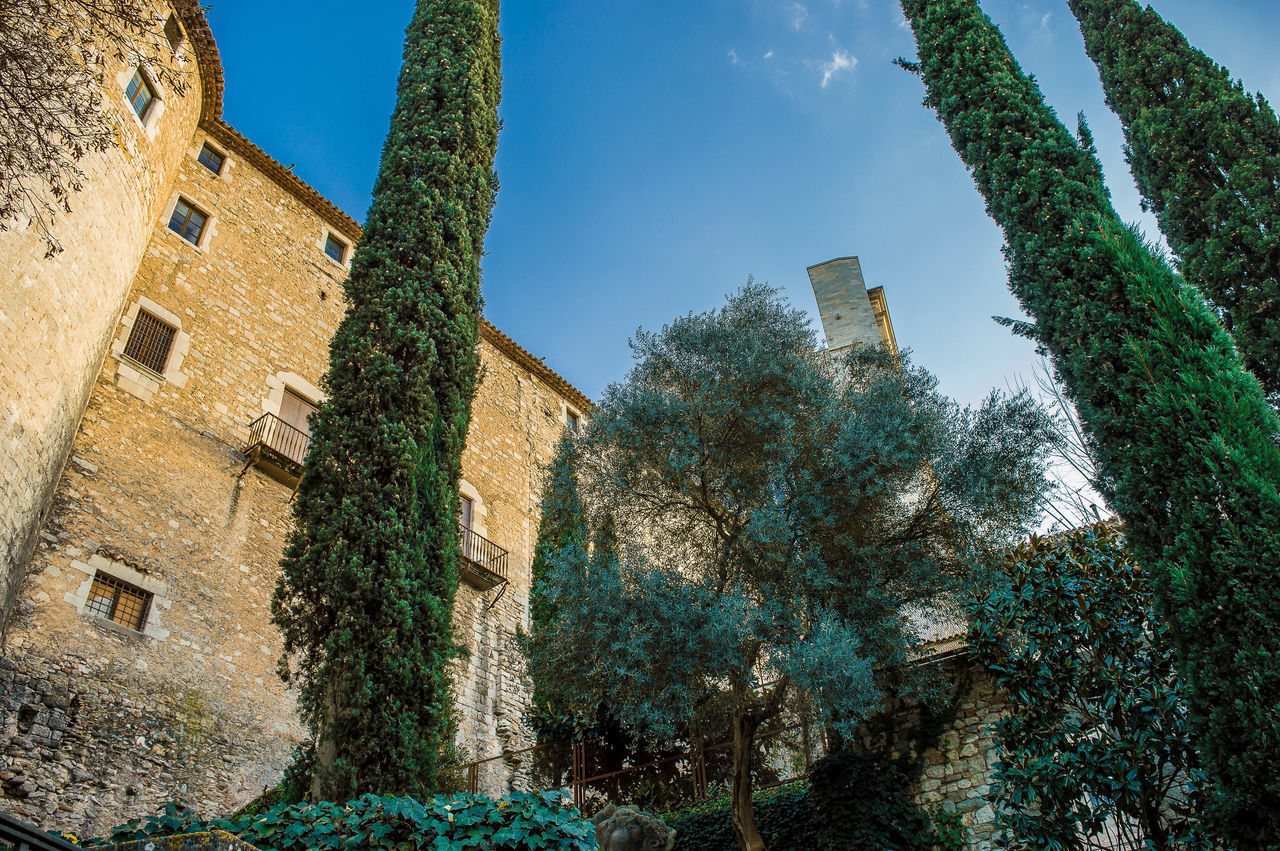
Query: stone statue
(629, 829)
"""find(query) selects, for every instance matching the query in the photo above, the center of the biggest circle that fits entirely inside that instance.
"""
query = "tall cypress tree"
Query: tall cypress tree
(1184, 437)
(366, 590)
(562, 524)
(1206, 157)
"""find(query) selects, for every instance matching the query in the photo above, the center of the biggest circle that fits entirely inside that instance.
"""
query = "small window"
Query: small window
(118, 601)
(187, 222)
(173, 32)
(466, 512)
(571, 420)
(149, 342)
(140, 94)
(335, 248)
(211, 159)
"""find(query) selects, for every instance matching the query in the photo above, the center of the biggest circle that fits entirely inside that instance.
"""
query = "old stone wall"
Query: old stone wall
(957, 773)
(57, 313)
(517, 419)
(954, 747)
(100, 723)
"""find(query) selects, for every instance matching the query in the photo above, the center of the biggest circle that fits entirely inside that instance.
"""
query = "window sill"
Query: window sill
(146, 371)
(114, 628)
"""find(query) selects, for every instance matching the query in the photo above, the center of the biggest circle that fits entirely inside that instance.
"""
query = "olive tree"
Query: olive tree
(785, 519)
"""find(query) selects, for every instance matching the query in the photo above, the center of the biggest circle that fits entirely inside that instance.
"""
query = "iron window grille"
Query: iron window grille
(140, 94)
(118, 601)
(211, 159)
(187, 222)
(335, 248)
(150, 341)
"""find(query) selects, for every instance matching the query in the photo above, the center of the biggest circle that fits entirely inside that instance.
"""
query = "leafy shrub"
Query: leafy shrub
(852, 801)
(523, 822)
(862, 801)
(1098, 731)
(782, 815)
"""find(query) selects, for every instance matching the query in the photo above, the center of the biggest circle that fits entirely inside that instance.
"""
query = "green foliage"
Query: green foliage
(863, 801)
(776, 508)
(523, 822)
(1185, 441)
(1206, 156)
(850, 803)
(562, 524)
(1097, 726)
(782, 814)
(367, 582)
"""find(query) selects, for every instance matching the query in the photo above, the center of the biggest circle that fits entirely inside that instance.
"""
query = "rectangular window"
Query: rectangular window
(140, 94)
(149, 341)
(296, 411)
(211, 159)
(465, 509)
(335, 248)
(118, 601)
(187, 222)
(173, 32)
(293, 439)
(571, 420)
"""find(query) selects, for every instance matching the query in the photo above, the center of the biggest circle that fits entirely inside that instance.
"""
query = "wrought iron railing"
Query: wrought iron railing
(18, 835)
(484, 554)
(285, 441)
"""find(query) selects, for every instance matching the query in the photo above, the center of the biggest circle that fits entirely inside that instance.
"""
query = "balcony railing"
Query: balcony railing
(484, 563)
(278, 447)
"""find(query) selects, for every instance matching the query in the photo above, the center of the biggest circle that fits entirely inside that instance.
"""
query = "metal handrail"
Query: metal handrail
(24, 836)
(288, 441)
(483, 553)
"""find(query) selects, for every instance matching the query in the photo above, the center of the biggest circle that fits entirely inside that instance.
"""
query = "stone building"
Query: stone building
(157, 378)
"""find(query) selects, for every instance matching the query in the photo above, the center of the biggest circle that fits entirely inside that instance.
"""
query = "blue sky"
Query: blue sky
(653, 155)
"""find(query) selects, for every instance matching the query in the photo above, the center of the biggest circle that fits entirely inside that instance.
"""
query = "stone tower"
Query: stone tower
(850, 312)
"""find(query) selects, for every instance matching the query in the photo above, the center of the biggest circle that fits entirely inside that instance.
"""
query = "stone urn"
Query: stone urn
(628, 829)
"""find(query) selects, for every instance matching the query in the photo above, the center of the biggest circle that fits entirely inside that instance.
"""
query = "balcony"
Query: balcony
(277, 448)
(484, 563)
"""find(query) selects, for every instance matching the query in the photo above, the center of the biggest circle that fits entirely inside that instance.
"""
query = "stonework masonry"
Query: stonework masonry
(849, 312)
(101, 722)
(70, 303)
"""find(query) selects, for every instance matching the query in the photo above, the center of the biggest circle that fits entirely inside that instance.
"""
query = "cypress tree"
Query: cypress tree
(1185, 440)
(562, 524)
(1206, 157)
(365, 595)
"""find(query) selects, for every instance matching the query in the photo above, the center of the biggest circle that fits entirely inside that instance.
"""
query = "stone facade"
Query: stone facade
(100, 722)
(954, 749)
(71, 302)
(957, 773)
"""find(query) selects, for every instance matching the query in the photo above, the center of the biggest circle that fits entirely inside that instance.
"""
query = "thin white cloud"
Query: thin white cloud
(769, 55)
(840, 61)
(1044, 22)
(798, 13)
(733, 57)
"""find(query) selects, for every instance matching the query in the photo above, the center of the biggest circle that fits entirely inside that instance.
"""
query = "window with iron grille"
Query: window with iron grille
(149, 341)
(118, 601)
(335, 248)
(187, 222)
(140, 94)
(211, 159)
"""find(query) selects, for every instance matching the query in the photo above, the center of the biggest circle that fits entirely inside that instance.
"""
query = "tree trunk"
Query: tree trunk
(744, 822)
